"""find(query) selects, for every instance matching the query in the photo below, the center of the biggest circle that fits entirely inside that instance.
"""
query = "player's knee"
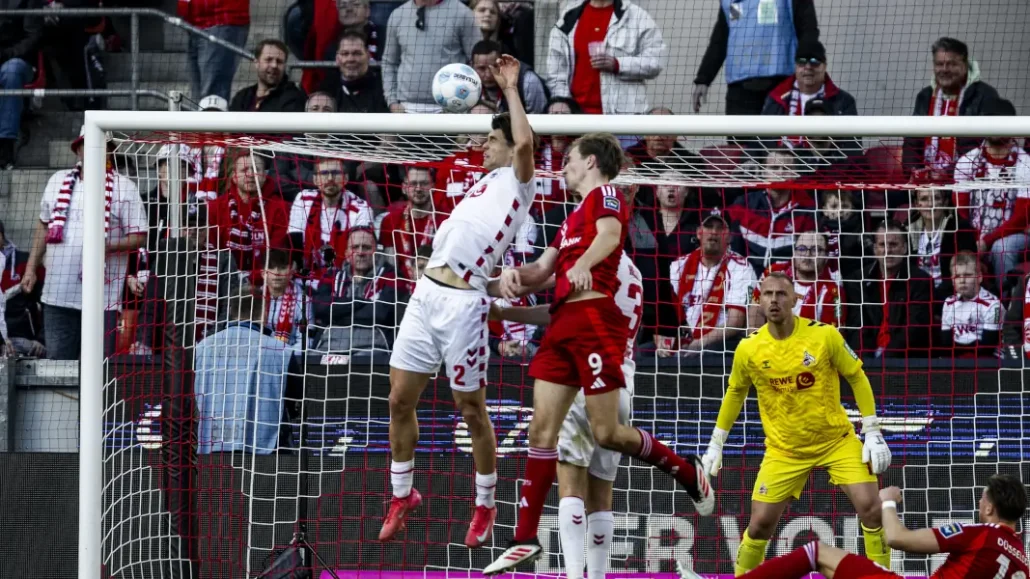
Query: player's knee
(401, 403)
(761, 528)
(869, 514)
(541, 434)
(475, 415)
(606, 435)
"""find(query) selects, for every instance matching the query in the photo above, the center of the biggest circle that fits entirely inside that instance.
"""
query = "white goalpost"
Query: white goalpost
(428, 140)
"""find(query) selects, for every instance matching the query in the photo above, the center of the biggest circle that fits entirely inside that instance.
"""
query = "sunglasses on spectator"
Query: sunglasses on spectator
(813, 61)
(809, 250)
(420, 18)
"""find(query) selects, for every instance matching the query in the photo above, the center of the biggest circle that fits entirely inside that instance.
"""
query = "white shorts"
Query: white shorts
(443, 324)
(576, 443)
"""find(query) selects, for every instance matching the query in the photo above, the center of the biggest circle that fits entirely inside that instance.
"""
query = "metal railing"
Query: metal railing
(134, 14)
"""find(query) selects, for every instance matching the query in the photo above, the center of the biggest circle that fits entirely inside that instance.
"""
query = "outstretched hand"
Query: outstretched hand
(506, 72)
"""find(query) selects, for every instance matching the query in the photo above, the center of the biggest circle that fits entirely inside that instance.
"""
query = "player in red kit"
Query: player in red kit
(990, 550)
(584, 345)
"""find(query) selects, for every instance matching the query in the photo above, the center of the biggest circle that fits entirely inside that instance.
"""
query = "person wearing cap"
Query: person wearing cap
(810, 82)
(57, 245)
(955, 91)
(712, 286)
(757, 41)
(274, 92)
(999, 215)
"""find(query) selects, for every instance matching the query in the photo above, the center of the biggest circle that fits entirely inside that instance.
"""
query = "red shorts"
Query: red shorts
(584, 347)
(858, 567)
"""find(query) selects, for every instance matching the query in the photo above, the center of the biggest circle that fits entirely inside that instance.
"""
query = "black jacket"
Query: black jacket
(285, 98)
(806, 26)
(20, 36)
(976, 95)
(909, 298)
(363, 95)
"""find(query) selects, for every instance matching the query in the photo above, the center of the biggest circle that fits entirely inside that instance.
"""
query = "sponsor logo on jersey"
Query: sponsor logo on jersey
(597, 385)
(612, 203)
(805, 380)
(781, 383)
(569, 241)
(763, 490)
(847, 348)
(949, 531)
(808, 359)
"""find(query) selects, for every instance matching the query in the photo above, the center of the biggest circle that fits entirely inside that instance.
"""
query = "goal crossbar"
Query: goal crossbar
(97, 123)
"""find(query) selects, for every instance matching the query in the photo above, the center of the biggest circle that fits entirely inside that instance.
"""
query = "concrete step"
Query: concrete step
(175, 39)
(153, 67)
(52, 124)
(20, 193)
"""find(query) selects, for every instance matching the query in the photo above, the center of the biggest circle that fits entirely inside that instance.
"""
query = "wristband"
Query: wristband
(889, 505)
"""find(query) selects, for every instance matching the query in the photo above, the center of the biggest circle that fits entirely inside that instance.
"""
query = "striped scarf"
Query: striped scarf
(246, 233)
(59, 213)
(206, 308)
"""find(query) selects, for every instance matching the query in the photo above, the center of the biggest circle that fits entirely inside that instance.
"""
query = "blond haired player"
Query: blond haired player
(794, 363)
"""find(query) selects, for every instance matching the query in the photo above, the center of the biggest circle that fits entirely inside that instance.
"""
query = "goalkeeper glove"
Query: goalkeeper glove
(874, 449)
(712, 460)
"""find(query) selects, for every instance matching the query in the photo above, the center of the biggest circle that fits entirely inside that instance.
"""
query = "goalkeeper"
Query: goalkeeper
(794, 364)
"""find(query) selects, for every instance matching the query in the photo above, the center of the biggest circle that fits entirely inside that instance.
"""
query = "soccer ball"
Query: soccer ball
(457, 88)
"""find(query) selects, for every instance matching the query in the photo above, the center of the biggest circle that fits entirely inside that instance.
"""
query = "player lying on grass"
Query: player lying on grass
(991, 549)
(794, 363)
(584, 346)
(446, 316)
(586, 472)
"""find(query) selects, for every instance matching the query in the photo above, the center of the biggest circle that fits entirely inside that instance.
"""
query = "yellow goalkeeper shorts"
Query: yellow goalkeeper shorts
(781, 477)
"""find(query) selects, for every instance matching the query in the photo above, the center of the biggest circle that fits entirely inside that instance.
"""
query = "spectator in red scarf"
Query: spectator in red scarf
(551, 192)
(251, 217)
(956, 90)
(287, 306)
(843, 223)
(413, 223)
(890, 313)
(818, 293)
(809, 81)
(936, 235)
(358, 306)
(1000, 216)
(212, 66)
(712, 286)
(321, 218)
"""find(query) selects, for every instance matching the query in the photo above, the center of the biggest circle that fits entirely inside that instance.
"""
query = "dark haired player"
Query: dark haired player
(446, 318)
(584, 346)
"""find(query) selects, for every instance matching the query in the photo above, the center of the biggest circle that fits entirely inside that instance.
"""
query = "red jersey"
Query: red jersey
(241, 226)
(981, 551)
(579, 231)
(586, 80)
(463, 170)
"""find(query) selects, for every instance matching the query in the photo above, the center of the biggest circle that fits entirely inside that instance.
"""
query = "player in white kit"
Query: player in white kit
(446, 318)
(586, 472)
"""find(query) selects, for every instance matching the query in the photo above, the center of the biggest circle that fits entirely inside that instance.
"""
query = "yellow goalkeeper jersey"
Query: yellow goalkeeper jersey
(798, 387)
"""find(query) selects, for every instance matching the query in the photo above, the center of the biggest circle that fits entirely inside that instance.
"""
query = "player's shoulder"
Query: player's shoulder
(817, 328)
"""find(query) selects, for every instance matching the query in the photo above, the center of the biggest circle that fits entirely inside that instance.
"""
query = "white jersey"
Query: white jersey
(630, 300)
(351, 212)
(967, 320)
(479, 230)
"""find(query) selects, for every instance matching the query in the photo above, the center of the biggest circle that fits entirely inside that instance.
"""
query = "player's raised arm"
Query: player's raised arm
(874, 449)
(736, 393)
(921, 541)
(506, 72)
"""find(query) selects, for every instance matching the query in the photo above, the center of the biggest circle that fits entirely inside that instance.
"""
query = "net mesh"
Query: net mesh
(209, 472)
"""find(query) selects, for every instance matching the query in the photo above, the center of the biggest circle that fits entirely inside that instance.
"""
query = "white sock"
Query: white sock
(402, 475)
(600, 526)
(486, 485)
(572, 529)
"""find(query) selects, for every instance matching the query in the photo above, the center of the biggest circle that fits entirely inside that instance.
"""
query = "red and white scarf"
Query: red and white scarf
(984, 161)
(287, 318)
(206, 307)
(939, 152)
(712, 302)
(797, 109)
(59, 213)
(246, 233)
(337, 234)
(409, 246)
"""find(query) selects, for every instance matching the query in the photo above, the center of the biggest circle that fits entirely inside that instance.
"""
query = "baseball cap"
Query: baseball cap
(213, 102)
(816, 106)
(999, 107)
(811, 49)
(712, 218)
(82, 138)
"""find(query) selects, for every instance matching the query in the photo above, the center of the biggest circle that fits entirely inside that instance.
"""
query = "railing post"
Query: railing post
(174, 171)
(134, 32)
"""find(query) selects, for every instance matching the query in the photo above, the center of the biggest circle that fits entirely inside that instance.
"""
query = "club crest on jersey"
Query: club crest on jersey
(765, 365)
(611, 202)
(949, 531)
(808, 360)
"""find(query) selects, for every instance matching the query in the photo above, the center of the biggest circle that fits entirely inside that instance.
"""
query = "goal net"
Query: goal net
(245, 391)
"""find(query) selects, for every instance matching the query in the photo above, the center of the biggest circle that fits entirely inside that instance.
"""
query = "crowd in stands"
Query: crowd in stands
(910, 270)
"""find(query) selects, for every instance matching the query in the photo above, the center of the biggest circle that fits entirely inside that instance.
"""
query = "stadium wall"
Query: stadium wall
(949, 429)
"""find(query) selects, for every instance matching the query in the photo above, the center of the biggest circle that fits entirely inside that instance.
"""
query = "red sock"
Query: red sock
(541, 468)
(657, 454)
(794, 565)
